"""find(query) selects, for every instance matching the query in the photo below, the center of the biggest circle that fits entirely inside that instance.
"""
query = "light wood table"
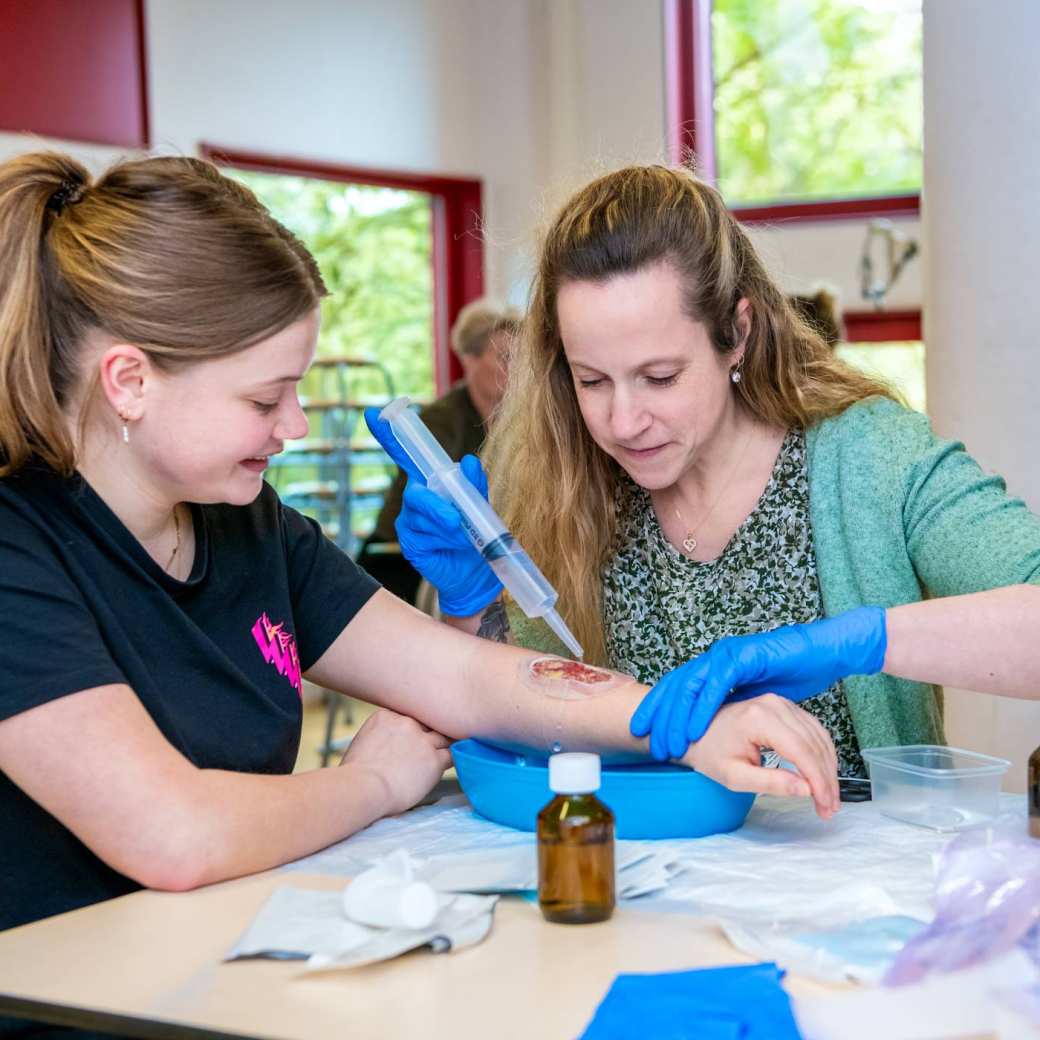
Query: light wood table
(149, 964)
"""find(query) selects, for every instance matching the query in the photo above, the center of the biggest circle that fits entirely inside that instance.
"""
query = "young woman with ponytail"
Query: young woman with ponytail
(160, 606)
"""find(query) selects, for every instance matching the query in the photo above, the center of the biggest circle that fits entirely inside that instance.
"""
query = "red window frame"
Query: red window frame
(882, 326)
(457, 219)
(690, 89)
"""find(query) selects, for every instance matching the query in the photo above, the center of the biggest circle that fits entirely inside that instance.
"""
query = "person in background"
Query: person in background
(724, 506)
(161, 606)
(481, 338)
(821, 310)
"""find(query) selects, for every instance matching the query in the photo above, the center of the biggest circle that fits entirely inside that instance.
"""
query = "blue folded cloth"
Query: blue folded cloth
(744, 1002)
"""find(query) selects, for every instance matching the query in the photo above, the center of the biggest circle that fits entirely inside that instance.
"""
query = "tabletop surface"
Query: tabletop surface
(156, 957)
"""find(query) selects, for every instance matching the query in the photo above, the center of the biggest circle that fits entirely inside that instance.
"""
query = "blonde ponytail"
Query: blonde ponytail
(34, 367)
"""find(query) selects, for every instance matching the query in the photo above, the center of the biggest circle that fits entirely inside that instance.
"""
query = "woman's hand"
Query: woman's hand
(407, 757)
(429, 530)
(729, 752)
(796, 662)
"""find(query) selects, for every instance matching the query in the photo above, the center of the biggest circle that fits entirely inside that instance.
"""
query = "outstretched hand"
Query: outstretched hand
(730, 752)
(795, 662)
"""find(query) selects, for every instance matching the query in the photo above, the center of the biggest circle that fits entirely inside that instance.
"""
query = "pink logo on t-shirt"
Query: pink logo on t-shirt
(279, 649)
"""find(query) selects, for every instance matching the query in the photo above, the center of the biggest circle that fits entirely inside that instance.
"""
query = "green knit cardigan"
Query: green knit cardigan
(898, 515)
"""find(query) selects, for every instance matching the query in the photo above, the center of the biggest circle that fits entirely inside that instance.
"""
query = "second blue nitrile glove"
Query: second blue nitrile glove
(796, 662)
(429, 530)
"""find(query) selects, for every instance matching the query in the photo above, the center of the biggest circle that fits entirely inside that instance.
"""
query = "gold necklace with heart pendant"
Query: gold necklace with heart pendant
(689, 543)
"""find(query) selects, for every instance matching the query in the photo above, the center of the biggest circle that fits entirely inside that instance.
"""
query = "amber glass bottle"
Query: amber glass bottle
(575, 844)
(1033, 793)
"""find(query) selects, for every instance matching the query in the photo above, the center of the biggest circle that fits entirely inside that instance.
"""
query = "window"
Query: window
(888, 344)
(800, 107)
(454, 263)
(374, 248)
(900, 364)
(400, 256)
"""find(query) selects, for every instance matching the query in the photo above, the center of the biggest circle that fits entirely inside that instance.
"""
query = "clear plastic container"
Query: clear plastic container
(945, 788)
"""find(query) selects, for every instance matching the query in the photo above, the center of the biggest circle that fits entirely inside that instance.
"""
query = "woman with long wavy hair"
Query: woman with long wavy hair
(704, 481)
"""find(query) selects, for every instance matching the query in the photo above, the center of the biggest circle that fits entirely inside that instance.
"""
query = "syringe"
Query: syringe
(514, 568)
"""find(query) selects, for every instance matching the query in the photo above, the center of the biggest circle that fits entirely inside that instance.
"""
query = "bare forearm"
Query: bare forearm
(987, 641)
(466, 687)
(229, 824)
(504, 703)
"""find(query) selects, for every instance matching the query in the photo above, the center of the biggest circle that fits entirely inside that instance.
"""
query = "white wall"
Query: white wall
(95, 157)
(982, 231)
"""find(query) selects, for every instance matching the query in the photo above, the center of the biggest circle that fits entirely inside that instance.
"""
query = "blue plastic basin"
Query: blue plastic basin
(648, 801)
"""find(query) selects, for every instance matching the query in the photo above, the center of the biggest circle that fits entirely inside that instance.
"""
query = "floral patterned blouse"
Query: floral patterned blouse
(662, 608)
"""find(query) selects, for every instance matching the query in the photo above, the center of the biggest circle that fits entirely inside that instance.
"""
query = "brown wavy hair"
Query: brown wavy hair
(557, 490)
(164, 253)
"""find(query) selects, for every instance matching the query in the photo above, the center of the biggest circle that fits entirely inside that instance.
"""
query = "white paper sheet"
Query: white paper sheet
(784, 873)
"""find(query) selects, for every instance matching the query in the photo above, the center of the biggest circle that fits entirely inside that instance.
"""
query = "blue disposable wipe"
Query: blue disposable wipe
(865, 948)
(744, 1002)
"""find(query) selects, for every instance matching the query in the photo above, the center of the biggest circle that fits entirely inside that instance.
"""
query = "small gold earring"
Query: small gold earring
(126, 429)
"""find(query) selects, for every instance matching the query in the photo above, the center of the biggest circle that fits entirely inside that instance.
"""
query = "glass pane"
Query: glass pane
(374, 248)
(817, 99)
(901, 364)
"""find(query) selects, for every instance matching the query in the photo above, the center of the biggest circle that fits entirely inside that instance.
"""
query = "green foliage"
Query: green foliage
(817, 98)
(373, 246)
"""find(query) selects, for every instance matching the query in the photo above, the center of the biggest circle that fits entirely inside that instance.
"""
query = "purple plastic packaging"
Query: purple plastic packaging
(987, 902)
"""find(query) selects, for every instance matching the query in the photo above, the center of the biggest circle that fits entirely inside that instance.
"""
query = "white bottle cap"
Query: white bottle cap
(390, 903)
(574, 772)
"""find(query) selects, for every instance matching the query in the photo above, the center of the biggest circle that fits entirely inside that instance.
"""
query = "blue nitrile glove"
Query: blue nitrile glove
(740, 1002)
(429, 529)
(796, 662)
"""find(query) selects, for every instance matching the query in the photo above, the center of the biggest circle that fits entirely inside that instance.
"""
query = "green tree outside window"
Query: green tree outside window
(817, 99)
(374, 248)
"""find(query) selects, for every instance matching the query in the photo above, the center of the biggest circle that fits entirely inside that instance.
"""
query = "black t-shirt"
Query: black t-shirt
(216, 660)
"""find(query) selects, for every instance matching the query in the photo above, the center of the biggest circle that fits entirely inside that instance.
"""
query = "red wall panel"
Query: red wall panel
(74, 69)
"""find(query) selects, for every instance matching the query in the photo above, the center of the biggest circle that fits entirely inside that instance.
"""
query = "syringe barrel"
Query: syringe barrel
(513, 567)
(485, 529)
(412, 434)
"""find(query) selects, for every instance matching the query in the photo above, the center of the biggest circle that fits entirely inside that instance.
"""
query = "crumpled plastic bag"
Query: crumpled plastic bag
(987, 902)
